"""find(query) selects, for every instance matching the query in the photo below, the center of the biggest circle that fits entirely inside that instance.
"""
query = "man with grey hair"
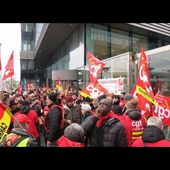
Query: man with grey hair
(153, 135)
(155, 121)
(73, 136)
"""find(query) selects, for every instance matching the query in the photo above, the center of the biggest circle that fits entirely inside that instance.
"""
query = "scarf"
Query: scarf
(103, 118)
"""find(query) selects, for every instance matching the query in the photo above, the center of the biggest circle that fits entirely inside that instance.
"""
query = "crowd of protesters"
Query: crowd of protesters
(50, 118)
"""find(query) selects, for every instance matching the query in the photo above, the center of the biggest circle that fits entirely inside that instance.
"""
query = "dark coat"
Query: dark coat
(37, 108)
(152, 137)
(110, 134)
(53, 124)
(85, 115)
(73, 113)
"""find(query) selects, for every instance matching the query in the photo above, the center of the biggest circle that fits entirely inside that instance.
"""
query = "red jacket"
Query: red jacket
(161, 143)
(65, 142)
(153, 137)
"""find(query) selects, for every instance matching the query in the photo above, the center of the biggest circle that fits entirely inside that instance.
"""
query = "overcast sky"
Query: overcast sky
(10, 39)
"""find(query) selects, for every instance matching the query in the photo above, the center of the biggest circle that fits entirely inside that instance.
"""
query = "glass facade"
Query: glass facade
(138, 42)
(159, 66)
(108, 42)
(119, 42)
(105, 42)
(27, 64)
(98, 40)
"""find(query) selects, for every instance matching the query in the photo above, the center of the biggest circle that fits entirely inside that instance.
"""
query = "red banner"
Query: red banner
(143, 85)
(9, 69)
(162, 110)
(95, 67)
(93, 90)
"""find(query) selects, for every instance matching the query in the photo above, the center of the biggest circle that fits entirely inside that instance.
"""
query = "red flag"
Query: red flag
(93, 90)
(95, 67)
(9, 69)
(143, 86)
(144, 105)
(162, 110)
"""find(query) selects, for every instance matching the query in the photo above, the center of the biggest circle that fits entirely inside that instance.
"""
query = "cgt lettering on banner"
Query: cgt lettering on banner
(94, 92)
(162, 112)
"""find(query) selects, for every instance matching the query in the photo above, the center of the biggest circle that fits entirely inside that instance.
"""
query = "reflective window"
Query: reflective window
(159, 66)
(98, 40)
(119, 42)
(23, 64)
(139, 42)
(30, 64)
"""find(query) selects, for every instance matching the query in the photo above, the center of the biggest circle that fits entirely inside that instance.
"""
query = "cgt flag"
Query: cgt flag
(5, 119)
(143, 85)
(95, 67)
(9, 69)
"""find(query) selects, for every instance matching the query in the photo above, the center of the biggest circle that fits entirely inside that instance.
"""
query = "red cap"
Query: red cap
(22, 118)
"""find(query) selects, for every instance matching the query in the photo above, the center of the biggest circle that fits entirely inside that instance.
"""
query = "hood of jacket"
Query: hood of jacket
(134, 114)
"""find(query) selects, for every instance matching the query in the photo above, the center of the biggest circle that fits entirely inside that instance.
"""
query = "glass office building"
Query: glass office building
(49, 48)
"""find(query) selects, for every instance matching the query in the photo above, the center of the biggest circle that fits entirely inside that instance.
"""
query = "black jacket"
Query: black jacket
(152, 134)
(53, 124)
(110, 134)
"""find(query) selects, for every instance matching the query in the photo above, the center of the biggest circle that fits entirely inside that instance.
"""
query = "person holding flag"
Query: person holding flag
(19, 136)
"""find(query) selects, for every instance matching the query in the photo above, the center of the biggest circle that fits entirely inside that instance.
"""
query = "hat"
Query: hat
(128, 97)
(86, 107)
(132, 104)
(68, 99)
(22, 118)
(88, 99)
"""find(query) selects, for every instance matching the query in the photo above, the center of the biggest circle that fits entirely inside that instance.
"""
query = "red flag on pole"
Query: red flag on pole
(143, 85)
(9, 69)
(95, 67)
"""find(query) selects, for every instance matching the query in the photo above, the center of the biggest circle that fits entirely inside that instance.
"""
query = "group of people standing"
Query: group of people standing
(51, 118)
